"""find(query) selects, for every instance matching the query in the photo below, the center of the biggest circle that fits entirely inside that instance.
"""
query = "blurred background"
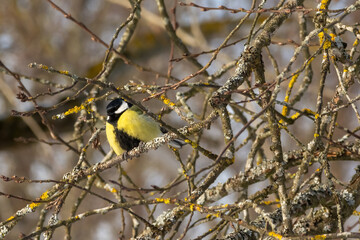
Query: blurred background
(35, 32)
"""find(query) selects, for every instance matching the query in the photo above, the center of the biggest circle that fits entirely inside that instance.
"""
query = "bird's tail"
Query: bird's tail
(177, 143)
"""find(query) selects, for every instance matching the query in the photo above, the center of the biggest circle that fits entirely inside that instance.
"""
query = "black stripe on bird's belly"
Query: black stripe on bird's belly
(126, 141)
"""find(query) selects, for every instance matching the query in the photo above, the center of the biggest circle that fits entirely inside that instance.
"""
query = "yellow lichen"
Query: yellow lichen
(216, 215)
(356, 213)
(327, 43)
(333, 36)
(310, 60)
(192, 207)
(42, 66)
(44, 196)
(163, 200)
(193, 144)
(295, 116)
(356, 42)
(292, 175)
(77, 109)
(324, 4)
(167, 101)
(293, 80)
(34, 205)
(319, 237)
(64, 72)
(275, 235)
(195, 207)
(309, 111)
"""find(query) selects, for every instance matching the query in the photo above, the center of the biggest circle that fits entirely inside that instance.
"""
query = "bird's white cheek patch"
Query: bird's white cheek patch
(122, 108)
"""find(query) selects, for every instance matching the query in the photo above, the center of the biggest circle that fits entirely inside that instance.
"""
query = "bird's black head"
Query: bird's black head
(115, 108)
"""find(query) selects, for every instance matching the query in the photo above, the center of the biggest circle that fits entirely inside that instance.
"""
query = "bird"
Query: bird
(127, 126)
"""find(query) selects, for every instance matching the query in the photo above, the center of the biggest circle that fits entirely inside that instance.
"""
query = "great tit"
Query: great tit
(127, 126)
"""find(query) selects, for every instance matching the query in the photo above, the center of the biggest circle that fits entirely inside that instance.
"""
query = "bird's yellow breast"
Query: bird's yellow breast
(134, 124)
(111, 137)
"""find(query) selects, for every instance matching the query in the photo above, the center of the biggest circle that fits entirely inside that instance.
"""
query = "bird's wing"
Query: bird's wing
(138, 125)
